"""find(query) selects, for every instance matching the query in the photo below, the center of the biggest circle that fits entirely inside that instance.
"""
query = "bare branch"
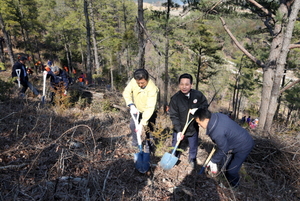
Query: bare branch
(289, 86)
(213, 7)
(261, 8)
(248, 54)
(295, 45)
(148, 37)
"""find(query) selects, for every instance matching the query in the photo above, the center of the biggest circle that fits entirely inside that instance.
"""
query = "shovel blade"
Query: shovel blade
(168, 161)
(142, 162)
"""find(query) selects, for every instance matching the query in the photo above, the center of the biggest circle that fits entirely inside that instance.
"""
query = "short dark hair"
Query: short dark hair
(186, 75)
(23, 58)
(141, 74)
(202, 113)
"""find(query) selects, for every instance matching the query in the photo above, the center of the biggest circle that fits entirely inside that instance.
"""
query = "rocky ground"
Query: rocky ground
(83, 152)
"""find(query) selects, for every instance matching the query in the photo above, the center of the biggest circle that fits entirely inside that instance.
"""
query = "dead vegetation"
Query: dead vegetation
(84, 153)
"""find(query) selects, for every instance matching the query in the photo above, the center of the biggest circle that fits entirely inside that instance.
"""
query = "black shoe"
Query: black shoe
(192, 163)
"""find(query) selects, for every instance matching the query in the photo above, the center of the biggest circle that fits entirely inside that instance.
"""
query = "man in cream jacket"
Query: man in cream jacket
(141, 96)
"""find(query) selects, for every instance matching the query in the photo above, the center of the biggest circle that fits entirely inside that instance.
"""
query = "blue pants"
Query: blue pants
(193, 145)
(234, 166)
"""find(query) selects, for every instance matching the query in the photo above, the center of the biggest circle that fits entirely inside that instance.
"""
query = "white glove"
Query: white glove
(65, 93)
(133, 109)
(213, 167)
(179, 136)
(192, 111)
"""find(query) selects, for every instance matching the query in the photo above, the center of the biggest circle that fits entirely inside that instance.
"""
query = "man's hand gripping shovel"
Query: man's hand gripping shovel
(169, 160)
(141, 159)
(207, 160)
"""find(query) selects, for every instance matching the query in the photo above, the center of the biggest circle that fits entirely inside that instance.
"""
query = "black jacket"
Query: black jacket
(228, 135)
(179, 107)
(23, 73)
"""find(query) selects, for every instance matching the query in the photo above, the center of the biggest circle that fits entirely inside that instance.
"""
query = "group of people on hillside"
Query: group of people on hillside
(252, 123)
(141, 97)
(59, 78)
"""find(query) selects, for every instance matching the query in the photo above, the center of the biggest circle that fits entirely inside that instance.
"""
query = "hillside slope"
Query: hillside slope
(83, 153)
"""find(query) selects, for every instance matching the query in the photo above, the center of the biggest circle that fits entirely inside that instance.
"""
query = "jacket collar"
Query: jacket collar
(212, 123)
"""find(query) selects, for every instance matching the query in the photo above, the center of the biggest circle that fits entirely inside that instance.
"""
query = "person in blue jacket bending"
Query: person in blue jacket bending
(58, 81)
(228, 137)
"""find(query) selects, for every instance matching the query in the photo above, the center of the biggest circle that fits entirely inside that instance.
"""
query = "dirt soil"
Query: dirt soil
(84, 153)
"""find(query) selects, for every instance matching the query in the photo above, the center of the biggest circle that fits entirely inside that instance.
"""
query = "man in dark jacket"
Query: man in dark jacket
(229, 137)
(19, 71)
(58, 81)
(180, 104)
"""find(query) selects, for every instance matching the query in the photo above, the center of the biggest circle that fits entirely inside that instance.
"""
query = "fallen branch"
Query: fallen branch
(13, 166)
(7, 116)
(120, 107)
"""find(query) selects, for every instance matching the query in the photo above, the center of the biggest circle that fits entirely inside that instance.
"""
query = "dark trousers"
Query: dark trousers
(149, 138)
(193, 145)
(26, 84)
(234, 166)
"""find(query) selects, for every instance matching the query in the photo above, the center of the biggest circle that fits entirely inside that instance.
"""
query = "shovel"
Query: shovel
(141, 159)
(207, 160)
(169, 160)
(18, 71)
(44, 86)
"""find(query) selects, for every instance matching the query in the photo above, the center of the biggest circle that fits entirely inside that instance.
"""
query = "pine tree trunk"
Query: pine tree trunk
(88, 43)
(141, 54)
(96, 56)
(7, 41)
(281, 61)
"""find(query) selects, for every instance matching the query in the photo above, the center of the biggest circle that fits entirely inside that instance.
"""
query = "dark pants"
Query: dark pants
(26, 84)
(193, 145)
(149, 138)
(234, 166)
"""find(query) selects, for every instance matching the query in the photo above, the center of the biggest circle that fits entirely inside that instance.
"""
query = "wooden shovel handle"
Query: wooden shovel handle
(187, 123)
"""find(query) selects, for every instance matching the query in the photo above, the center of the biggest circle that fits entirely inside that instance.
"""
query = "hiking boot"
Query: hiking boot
(21, 95)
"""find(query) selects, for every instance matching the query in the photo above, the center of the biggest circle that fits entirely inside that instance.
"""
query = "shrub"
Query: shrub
(5, 89)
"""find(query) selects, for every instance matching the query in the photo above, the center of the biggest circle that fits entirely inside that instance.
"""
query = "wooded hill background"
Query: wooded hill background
(242, 54)
(235, 50)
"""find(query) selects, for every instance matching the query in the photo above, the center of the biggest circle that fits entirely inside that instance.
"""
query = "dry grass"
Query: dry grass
(54, 153)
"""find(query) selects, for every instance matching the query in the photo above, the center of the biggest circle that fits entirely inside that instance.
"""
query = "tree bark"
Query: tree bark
(7, 41)
(274, 64)
(198, 69)
(88, 43)
(96, 56)
(282, 60)
(167, 48)
(141, 54)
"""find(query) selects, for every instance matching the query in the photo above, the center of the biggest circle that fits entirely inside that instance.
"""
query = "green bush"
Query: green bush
(5, 89)
(2, 67)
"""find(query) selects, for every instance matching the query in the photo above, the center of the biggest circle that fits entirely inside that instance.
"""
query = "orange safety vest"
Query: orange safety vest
(47, 68)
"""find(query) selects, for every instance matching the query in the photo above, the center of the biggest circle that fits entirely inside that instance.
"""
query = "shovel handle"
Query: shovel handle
(207, 160)
(136, 119)
(183, 131)
(44, 82)
(18, 71)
